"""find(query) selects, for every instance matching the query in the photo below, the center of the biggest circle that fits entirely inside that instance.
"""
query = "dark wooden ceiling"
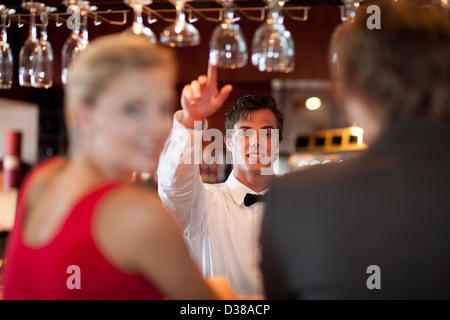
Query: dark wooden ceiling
(310, 37)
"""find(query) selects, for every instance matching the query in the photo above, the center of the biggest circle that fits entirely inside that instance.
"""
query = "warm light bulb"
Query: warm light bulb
(313, 103)
(356, 131)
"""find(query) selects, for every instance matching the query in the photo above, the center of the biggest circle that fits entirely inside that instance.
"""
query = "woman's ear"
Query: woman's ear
(83, 120)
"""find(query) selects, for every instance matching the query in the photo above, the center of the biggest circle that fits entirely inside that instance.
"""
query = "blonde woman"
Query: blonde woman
(82, 231)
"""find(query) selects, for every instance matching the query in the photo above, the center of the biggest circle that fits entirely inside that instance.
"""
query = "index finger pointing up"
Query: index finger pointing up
(212, 73)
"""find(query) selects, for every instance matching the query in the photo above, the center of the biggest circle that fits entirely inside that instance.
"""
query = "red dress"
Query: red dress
(71, 258)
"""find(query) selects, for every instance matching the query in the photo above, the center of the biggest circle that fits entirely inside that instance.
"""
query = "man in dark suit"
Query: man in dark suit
(378, 226)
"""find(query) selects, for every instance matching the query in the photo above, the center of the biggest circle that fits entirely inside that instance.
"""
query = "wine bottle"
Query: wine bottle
(11, 160)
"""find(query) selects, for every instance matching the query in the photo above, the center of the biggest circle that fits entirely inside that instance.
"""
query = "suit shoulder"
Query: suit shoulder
(311, 173)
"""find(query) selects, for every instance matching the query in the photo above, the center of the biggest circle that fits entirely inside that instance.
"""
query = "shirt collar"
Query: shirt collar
(238, 190)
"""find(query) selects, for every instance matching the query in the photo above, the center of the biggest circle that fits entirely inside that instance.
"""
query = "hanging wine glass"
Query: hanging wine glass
(138, 27)
(180, 33)
(228, 48)
(78, 40)
(6, 57)
(272, 46)
(350, 8)
(42, 66)
(31, 45)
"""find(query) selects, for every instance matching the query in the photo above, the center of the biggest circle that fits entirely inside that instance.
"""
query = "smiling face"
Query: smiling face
(125, 129)
(118, 104)
(254, 143)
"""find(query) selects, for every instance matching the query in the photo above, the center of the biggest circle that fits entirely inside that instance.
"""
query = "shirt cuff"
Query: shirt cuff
(177, 122)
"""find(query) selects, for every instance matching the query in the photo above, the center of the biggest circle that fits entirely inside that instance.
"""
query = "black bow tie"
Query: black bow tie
(253, 198)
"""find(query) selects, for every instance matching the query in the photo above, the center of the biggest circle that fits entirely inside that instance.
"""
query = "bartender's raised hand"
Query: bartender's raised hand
(201, 98)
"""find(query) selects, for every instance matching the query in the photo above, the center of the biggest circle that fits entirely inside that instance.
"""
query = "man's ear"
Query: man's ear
(279, 145)
(228, 142)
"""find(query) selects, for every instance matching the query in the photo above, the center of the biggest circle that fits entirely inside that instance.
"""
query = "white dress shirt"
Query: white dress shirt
(223, 234)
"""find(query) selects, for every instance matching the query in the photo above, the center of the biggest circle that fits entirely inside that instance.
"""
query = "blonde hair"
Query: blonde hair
(105, 58)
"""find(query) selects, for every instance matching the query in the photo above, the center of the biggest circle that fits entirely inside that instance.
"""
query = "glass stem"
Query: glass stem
(272, 16)
(275, 15)
(32, 33)
(44, 20)
(138, 24)
(84, 31)
(138, 14)
(228, 15)
(181, 16)
(77, 26)
(4, 33)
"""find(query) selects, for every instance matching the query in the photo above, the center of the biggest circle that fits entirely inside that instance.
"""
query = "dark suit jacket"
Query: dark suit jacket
(390, 207)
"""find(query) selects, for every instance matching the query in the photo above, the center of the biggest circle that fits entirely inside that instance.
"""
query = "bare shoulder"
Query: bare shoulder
(128, 203)
(48, 169)
(42, 175)
(128, 223)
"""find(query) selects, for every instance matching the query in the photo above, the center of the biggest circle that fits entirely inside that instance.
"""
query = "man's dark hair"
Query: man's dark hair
(247, 105)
